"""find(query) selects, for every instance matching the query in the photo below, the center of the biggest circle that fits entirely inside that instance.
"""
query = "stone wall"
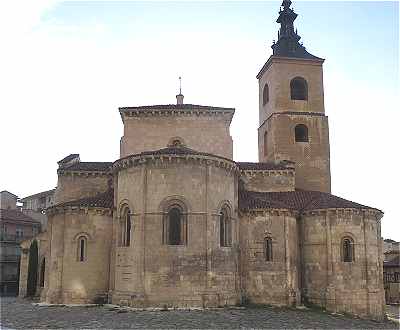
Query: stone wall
(278, 76)
(269, 282)
(312, 158)
(73, 186)
(326, 280)
(206, 133)
(70, 280)
(266, 181)
(199, 273)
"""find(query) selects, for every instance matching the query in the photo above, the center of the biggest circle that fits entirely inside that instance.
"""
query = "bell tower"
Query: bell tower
(293, 125)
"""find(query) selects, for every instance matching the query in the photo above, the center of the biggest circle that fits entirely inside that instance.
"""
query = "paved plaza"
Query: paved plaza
(21, 314)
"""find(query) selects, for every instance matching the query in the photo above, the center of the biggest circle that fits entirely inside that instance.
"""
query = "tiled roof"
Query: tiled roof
(105, 200)
(89, 166)
(388, 240)
(176, 107)
(15, 215)
(6, 191)
(265, 166)
(300, 200)
(68, 158)
(395, 262)
(43, 193)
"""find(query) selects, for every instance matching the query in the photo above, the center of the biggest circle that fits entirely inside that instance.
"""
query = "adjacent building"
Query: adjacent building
(35, 206)
(391, 271)
(15, 227)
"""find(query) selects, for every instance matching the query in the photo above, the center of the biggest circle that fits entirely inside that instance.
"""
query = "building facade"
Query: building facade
(35, 206)
(177, 222)
(391, 271)
(14, 228)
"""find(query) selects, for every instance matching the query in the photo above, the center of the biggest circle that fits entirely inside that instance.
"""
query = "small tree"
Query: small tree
(32, 269)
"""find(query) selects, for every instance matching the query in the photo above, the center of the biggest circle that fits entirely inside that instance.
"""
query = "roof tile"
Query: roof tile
(105, 200)
(300, 200)
(15, 215)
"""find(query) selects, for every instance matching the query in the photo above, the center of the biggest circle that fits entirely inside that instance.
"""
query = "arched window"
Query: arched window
(265, 143)
(82, 248)
(301, 133)
(268, 249)
(125, 227)
(225, 227)
(298, 89)
(175, 228)
(265, 94)
(42, 272)
(347, 249)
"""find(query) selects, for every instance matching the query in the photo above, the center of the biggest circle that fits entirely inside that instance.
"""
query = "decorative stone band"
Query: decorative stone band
(176, 110)
(79, 209)
(160, 158)
(281, 59)
(342, 211)
(293, 113)
(83, 173)
(254, 173)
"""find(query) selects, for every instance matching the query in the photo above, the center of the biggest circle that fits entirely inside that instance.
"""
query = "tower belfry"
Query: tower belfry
(293, 125)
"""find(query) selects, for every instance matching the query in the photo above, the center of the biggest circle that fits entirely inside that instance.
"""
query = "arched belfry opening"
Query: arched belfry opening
(265, 94)
(298, 89)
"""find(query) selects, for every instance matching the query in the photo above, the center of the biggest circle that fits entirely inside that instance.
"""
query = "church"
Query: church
(176, 222)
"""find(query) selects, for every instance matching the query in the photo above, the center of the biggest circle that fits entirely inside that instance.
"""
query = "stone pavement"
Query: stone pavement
(17, 314)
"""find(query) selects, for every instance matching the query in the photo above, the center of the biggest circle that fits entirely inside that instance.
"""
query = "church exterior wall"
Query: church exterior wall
(202, 133)
(266, 181)
(199, 273)
(269, 282)
(278, 76)
(352, 287)
(312, 158)
(70, 280)
(72, 186)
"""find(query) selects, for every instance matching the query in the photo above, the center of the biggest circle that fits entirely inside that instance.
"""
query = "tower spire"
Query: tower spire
(179, 97)
(288, 40)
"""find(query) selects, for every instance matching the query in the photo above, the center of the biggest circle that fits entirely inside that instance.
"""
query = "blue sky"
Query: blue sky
(67, 67)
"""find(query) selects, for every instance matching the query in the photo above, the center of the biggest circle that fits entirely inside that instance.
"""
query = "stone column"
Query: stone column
(330, 281)
(23, 270)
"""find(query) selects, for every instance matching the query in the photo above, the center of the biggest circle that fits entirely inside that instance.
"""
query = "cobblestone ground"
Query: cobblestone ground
(22, 314)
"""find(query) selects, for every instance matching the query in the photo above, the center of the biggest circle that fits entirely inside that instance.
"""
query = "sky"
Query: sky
(66, 67)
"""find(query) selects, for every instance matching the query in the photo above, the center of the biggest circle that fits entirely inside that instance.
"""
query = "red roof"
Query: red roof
(300, 200)
(88, 166)
(105, 200)
(15, 215)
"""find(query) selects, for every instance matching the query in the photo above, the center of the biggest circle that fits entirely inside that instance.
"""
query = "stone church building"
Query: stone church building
(177, 222)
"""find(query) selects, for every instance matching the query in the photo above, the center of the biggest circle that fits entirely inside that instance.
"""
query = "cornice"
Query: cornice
(216, 112)
(252, 173)
(264, 212)
(62, 172)
(294, 113)
(139, 160)
(289, 60)
(79, 209)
